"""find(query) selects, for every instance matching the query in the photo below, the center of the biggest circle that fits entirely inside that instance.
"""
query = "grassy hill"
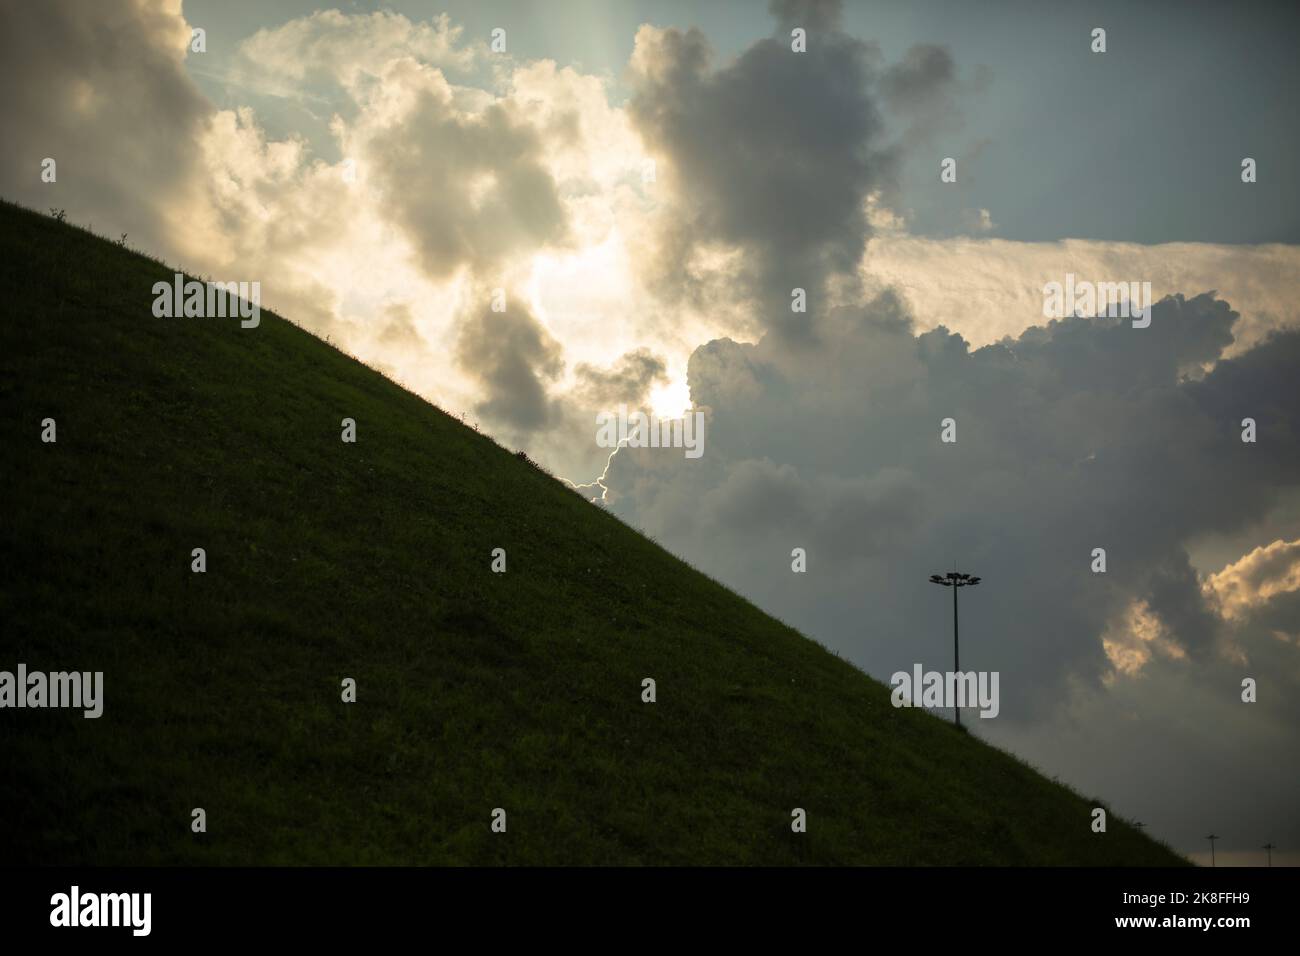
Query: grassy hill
(371, 560)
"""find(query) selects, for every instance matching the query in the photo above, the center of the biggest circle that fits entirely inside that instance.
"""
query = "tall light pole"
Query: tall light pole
(1269, 848)
(1212, 837)
(955, 580)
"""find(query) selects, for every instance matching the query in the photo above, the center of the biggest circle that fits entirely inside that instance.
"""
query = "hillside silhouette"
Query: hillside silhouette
(372, 561)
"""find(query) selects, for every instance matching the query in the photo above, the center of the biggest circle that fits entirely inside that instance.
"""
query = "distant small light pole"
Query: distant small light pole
(955, 580)
(1212, 837)
(1269, 848)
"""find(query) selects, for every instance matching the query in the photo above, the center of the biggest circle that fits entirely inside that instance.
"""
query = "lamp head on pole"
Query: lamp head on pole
(955, 579)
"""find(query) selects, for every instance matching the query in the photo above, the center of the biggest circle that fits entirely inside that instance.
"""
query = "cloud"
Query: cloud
(469, 189)
(514, 358)
(978, 220)
(922, 89)
(628, 381)
(382, 239)
(1080, 434)
(329, 46)
(925, 76)
(400, 327)
(1134, 638)
(1084, 433)
(1265, 574)
(990, 288)
(817, 16)
(1177, 749)
(101, 88)
(775, 170)
(772, 155)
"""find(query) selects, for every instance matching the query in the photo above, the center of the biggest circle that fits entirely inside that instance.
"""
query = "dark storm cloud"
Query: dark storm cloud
(513, 357)
(1080, 435)
(1279, 616)
(817, 16)
(921, 90)
(629, 380)
(469, 190)
(1260, 384)
(924, 77)
(773, 154)
(101, 88)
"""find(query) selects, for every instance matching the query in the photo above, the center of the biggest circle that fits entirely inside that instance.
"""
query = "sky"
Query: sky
(642, 186)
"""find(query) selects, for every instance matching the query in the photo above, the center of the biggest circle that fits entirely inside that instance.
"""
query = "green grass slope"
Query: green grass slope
(371, 560)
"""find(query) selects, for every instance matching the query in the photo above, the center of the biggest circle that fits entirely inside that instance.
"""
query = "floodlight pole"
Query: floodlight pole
(955, 580)
(956, 660)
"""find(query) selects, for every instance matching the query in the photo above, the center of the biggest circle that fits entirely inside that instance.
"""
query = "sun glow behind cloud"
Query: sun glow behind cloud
(575, 293)
(588, 300)
(347, 269)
